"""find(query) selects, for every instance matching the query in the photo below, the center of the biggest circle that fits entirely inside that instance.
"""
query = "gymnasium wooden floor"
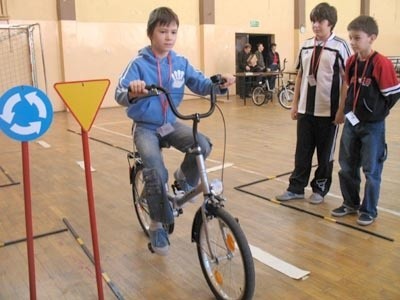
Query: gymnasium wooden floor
(344, 262)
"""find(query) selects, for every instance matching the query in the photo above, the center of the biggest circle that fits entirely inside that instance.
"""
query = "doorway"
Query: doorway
(253, 39)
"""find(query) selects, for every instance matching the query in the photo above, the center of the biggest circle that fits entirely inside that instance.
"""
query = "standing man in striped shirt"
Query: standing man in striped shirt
(319, 87)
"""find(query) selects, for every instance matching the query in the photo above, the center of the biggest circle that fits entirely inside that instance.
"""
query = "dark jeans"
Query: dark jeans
(362, 146)
(148, 144)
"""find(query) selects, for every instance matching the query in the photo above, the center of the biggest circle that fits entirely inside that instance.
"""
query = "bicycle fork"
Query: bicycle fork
(201, 215)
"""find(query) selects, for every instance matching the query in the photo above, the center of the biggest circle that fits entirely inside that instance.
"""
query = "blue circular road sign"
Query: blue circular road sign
(25, 113)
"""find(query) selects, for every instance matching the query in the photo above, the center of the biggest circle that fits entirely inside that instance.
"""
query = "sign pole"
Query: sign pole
(83, 99)
(92, 213)
(28, 219)
(26, 114)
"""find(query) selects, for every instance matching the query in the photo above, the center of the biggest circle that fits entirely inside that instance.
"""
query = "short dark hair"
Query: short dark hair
(161, 16)
(366, 24)
(324, 11)
(272, 45)
(247, 46)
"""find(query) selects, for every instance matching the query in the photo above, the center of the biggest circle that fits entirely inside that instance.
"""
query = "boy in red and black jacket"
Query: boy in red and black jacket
(373, 89)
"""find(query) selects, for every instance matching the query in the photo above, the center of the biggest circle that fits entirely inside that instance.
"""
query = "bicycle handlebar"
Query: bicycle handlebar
(155, 90)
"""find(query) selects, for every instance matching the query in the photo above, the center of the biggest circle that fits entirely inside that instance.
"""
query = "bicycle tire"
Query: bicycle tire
(286, 98)
(231, 274)
(140, 204)
(258, 96)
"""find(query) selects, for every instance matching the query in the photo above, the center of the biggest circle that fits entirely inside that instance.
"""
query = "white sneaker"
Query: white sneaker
(316, 198)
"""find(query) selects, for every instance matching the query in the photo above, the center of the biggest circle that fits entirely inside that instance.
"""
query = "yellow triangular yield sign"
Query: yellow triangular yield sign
(83, 98)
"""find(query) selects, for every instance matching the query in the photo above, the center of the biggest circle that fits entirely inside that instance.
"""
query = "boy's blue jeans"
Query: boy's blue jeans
(148, 143)
(362, 146)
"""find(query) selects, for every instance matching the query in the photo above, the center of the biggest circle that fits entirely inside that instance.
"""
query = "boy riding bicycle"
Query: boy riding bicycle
(155, 123)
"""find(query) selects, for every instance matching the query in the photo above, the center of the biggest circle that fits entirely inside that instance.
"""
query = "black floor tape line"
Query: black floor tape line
(101, 141)
(8, 243)
(12, 182)
(239, 188)
(107, 279)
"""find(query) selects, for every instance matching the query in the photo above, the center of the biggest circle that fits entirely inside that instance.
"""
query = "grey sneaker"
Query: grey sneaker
(289, 196)
(342, 211)
(365, 219)
(316, 198)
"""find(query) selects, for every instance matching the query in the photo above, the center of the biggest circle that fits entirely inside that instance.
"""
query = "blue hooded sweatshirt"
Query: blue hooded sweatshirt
(172, 73)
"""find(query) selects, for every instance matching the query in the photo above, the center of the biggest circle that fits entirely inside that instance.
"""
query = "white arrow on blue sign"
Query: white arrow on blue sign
(26, 113)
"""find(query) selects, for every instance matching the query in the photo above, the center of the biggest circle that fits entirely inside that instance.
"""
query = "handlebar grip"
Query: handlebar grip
(147, 87)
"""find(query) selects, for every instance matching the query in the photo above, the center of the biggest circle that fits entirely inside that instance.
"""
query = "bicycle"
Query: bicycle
(263, 93)
(223, 251)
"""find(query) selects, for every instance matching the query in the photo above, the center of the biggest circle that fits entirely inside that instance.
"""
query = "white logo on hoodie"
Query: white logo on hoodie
(178, 79)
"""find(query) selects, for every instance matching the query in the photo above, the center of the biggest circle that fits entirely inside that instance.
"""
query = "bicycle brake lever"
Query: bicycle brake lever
(152, 89)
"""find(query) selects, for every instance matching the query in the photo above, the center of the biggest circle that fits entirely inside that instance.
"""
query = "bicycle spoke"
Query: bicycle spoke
(227, 266)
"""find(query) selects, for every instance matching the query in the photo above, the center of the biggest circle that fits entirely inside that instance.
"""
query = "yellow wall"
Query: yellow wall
(387, 13)
(274, 17)
(107, 34)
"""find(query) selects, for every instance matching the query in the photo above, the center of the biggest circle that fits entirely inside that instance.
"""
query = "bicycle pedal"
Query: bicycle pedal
(176, 187)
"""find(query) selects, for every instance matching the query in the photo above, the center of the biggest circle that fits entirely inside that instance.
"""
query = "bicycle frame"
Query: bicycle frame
(203, 186)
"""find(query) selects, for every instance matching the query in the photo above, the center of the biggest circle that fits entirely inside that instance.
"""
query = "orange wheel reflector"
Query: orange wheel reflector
(230, 241)
(218, 277)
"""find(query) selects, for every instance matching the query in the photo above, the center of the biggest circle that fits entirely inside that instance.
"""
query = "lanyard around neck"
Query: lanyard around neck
(164, 102)
(313, 64)
(356, 91)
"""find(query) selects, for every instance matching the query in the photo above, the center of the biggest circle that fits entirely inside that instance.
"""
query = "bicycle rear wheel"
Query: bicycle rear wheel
(258, 96)
(227, 264)
(286, 98)
(139, 202)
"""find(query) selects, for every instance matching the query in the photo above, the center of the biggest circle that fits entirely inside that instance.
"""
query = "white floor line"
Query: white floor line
(278, 264)
(114, 122)
(241, 169)
(113, 132)
(390, 211)
(81, 163)
(248, 171)
(217, 168)
(43, 144)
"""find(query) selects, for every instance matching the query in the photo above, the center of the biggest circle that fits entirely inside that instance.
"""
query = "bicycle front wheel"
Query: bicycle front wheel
(286, 98)
(225, 257)
(258, 96)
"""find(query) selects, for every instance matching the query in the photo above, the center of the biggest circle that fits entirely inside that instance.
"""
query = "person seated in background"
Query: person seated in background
(243, 57)
(273, 64)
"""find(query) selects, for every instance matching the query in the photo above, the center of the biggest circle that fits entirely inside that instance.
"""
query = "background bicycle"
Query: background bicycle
(285, 92)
